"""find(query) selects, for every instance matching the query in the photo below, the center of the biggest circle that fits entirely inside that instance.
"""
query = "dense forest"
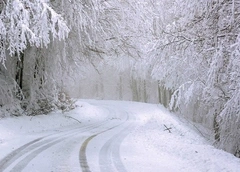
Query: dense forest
(184, 54)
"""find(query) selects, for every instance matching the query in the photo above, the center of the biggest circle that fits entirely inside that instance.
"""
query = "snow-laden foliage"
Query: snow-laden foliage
(104, 34)
(229, 117)
(196, 54)
(26, 22)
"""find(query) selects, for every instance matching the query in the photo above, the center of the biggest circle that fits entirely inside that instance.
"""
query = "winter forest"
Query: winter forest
(184, 54)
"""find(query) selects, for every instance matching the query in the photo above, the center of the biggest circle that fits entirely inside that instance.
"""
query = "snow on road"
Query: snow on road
(108, 136)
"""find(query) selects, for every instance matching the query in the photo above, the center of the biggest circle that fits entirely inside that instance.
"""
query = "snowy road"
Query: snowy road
(103, 145)
(82, 147)
(107, 136)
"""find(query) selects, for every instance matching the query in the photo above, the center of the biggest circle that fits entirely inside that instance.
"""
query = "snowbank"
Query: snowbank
(13, 129)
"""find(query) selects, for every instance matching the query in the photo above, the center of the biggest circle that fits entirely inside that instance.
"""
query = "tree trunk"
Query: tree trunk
(159, 93)
(134, 87)
(19, 71)
(144, 91)
(216, 128)
(120, 88)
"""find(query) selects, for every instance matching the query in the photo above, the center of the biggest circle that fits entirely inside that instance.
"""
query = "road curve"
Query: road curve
(90, 147)
(29, 151)
(103, 155)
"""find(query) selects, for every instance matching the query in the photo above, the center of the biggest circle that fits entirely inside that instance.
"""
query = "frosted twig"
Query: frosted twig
(167, 128)
(73, 119)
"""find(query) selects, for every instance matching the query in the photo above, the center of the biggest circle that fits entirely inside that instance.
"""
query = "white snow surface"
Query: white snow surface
(146, 147)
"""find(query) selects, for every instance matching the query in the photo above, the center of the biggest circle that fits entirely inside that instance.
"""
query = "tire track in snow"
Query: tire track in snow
(82, 153)
(109, 156)
(39, 145)
(14, 155)
(5, 162)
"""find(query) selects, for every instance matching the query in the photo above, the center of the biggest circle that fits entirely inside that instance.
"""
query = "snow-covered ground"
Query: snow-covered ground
(108, 136)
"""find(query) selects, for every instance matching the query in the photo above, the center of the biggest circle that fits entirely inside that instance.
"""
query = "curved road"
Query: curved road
(91, 147)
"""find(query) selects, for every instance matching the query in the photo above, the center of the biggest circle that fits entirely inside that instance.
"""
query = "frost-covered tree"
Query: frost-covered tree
(25, 24)
(104, 33)
(193, 55)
